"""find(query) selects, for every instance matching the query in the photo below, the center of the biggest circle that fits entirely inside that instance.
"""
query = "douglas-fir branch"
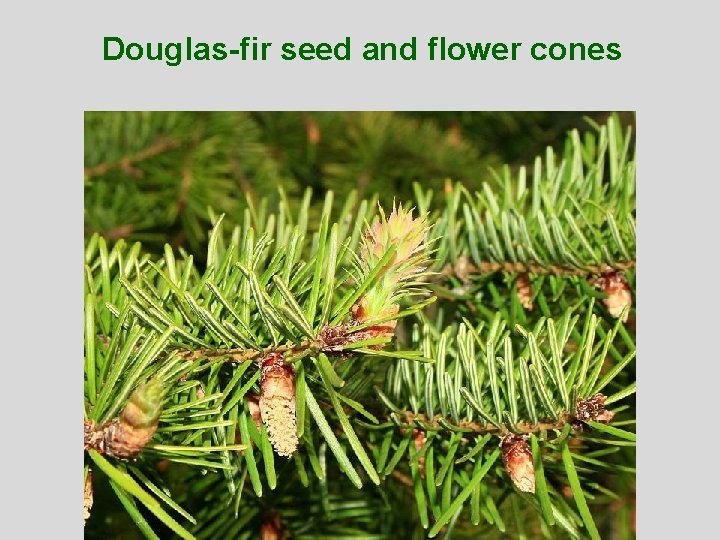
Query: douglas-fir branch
(587, 409)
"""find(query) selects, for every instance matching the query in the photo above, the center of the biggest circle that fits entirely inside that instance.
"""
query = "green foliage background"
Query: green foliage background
(163, 178)
(151, 176)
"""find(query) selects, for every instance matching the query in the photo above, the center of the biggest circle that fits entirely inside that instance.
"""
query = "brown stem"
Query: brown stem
(331, 340)
(126, 163)
(121, 231)
(481, 429)
(241, 355)
(403, 478)
(245, 185)
(511, 267)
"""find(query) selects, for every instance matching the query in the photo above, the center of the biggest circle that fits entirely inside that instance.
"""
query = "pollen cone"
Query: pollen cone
(277, 404)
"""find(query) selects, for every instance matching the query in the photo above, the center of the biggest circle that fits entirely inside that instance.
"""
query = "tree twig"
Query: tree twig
(475, 428)
(466, 269)
(126, 163)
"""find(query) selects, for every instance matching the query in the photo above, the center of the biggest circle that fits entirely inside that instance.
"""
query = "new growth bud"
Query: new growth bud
(401, 230)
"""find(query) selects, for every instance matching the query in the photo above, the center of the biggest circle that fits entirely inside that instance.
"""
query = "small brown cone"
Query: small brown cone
(273, 528)
(524, 290)
(312, 129)
(454, 138)
(126, 436)
(591, 409)
(518, 460)
(88, 496)
(277, 404)
(268, 531)
(618, 293)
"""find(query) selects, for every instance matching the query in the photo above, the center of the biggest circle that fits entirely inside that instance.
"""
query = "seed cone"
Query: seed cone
(408, 236)
(277, 404)
(518, 461)
(126, 436)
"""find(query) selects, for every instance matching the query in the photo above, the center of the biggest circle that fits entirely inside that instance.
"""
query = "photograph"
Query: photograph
(359, 325)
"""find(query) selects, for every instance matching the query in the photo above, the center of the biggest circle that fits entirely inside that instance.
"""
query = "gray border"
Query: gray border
(53, 71)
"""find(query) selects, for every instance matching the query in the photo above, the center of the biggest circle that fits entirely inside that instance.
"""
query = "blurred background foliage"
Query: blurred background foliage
(152, 176)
